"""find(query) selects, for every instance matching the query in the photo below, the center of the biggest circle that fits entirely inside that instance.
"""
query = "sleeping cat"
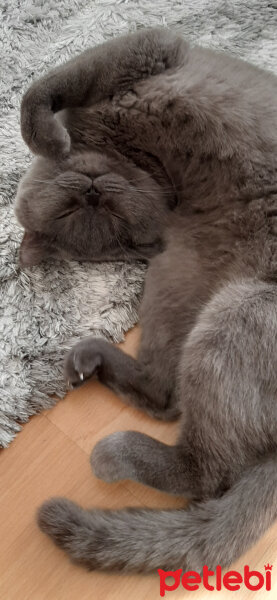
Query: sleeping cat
(168, 153)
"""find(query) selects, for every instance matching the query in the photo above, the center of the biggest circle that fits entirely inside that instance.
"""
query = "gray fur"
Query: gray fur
(45, 301)
(194, 133)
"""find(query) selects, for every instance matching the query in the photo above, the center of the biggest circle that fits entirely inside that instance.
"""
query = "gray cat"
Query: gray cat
(168, 153)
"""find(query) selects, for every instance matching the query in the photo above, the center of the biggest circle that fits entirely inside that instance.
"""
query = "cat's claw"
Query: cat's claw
(83, 361)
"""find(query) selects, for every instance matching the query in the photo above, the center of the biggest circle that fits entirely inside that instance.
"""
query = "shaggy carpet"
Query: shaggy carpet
(45, 310)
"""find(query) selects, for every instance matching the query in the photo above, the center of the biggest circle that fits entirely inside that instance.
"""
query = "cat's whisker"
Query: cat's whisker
(47, 181)
(118, 217)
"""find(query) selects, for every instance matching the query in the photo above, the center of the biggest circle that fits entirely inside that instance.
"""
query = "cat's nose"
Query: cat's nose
(92, 196)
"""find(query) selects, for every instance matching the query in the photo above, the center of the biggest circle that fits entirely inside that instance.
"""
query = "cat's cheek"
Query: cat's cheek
(33, 250)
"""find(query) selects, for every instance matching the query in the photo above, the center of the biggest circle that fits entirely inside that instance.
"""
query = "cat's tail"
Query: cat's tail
(211, 533)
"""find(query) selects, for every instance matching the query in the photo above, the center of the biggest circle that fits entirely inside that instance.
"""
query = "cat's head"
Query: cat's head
(90, 207)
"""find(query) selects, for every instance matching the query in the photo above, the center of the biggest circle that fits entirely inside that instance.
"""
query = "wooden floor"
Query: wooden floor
(50, 457)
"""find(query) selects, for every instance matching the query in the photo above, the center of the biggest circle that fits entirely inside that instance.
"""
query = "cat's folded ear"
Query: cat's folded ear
(33, 249)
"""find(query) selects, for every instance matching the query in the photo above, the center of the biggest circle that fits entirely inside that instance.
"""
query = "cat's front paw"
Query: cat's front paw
(83, 361)
(51, 140)
(42, 132)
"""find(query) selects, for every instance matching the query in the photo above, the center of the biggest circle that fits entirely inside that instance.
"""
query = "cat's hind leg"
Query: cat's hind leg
(134, 455)
(227, 387)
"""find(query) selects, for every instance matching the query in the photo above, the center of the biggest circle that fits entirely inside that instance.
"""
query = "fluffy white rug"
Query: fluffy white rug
(44, 311)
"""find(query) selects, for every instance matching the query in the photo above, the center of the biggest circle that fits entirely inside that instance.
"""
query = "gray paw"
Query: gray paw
(52, 140)
(83, 361)
(109, 459)
(57, 141)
